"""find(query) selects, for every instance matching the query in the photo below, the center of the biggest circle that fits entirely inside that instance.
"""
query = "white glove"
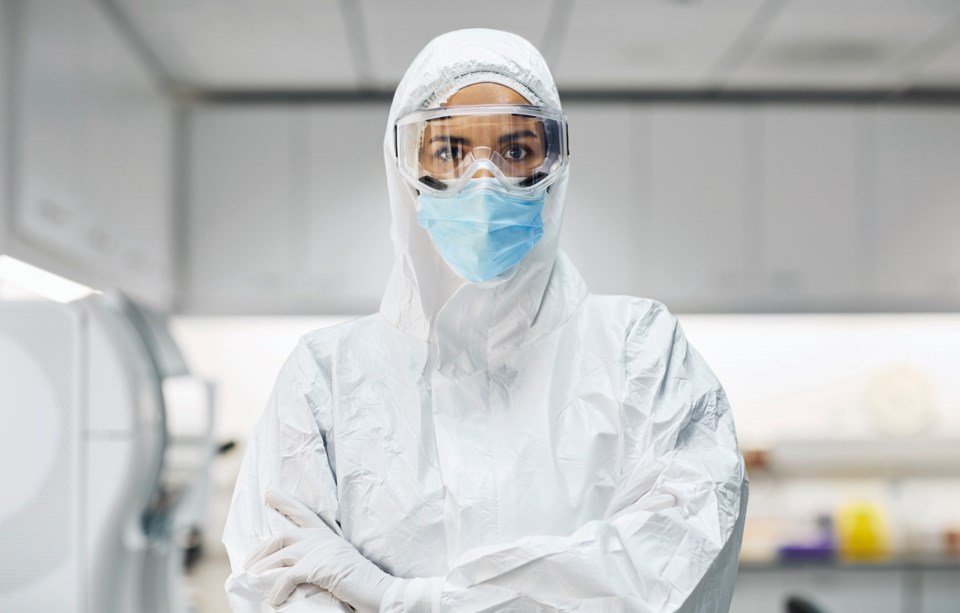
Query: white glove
(316, 553)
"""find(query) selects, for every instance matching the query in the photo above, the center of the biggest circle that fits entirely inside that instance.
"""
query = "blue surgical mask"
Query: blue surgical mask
(481, 232)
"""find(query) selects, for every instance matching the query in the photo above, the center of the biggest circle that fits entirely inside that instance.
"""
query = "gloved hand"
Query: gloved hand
(316, 553)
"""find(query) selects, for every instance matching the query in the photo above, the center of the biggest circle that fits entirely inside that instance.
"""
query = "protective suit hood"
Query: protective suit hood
(512, 445)
(424, 297)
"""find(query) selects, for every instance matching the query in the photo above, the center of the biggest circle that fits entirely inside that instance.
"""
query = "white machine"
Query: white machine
(105, 444)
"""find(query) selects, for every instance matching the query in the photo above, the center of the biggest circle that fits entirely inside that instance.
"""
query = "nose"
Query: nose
(483, 173)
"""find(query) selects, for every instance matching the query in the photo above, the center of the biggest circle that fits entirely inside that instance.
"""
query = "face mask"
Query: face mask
(480, 232)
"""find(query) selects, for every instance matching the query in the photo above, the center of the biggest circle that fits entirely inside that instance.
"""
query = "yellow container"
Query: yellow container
(863, 532)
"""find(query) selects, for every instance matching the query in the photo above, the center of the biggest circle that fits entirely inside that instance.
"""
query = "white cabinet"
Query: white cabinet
(940, 590)
(288, 210)
(607, 227)
(51, 109)
(914, 248)
(719, 209)
(6, 53)
(343, 247)
(833, 589)
(810, 239)
(838, 588)
(126, 164)
(698, 201)
(239, 224)
(94, 152)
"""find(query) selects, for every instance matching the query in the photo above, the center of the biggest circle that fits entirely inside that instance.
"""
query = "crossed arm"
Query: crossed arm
(668, 541)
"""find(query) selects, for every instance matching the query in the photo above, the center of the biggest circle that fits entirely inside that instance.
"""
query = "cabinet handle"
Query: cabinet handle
(947, 282)
(53, 211)
(785, 279)
(99, 240)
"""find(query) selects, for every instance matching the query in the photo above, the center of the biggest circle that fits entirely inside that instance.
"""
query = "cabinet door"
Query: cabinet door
(811, 210)
(698, 207)
(6, 53)
(607, 227)
(94, 155)
(914, 251)
(125, 162)
(50, 109)
(239, 222)
(940, 590)
(343, 246)
(833, 589)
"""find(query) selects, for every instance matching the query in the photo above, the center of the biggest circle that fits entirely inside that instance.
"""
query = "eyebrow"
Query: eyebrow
(459, 140)
(518, 135)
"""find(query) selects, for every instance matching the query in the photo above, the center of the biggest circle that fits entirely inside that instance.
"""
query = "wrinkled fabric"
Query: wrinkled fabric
(519, 444)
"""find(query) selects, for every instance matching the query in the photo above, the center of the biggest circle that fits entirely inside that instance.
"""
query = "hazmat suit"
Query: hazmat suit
(520, 443)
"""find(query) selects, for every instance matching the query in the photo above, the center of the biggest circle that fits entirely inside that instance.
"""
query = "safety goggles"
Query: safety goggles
(523, 147)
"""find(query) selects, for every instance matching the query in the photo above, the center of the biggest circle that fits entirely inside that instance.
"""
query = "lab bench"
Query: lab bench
(906, 585)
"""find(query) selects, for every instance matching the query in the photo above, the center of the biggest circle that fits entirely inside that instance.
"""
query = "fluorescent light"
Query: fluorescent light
(41, 282)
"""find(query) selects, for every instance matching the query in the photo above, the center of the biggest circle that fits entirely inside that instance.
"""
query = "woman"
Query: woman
(496, 438)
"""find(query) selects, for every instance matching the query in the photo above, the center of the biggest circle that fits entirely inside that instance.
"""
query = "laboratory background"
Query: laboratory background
(188, 186)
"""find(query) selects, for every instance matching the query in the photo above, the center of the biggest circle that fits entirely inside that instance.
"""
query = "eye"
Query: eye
(516, 153)
(448, 154)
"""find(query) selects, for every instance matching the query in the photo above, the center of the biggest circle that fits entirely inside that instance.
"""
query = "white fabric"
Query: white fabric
(521, 443)
(440, 96)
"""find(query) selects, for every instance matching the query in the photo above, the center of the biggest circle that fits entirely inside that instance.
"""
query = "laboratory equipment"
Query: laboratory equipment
(98, 486)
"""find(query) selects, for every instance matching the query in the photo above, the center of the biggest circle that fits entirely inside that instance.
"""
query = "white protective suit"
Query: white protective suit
(536, 446)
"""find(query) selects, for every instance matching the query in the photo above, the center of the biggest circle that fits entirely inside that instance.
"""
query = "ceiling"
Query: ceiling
(591, 45)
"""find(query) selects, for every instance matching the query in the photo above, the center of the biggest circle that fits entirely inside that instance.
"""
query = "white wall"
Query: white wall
(242, 356)
(818, 376)
(808, 377)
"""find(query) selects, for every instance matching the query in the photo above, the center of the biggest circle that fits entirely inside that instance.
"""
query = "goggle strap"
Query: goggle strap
(434, 183)
(533, 179)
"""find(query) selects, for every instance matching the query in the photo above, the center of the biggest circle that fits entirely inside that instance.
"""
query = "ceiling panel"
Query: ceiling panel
(649, 43)
(598, 44)
(247, 43)
(850, 44)
(397, 31)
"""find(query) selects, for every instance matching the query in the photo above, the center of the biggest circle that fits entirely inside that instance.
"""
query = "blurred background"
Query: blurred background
(783, 174)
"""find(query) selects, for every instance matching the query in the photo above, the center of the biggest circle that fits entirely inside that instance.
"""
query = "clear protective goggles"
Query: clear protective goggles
(523, 147)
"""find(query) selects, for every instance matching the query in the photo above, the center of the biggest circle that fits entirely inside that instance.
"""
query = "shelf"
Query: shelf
(896, 564)
(881, 458)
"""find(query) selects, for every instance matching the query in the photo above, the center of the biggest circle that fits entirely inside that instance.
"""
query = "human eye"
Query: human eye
(517, 153)
(448, 154)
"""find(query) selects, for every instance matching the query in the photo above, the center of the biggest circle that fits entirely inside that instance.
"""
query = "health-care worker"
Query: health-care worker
(496, 437)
